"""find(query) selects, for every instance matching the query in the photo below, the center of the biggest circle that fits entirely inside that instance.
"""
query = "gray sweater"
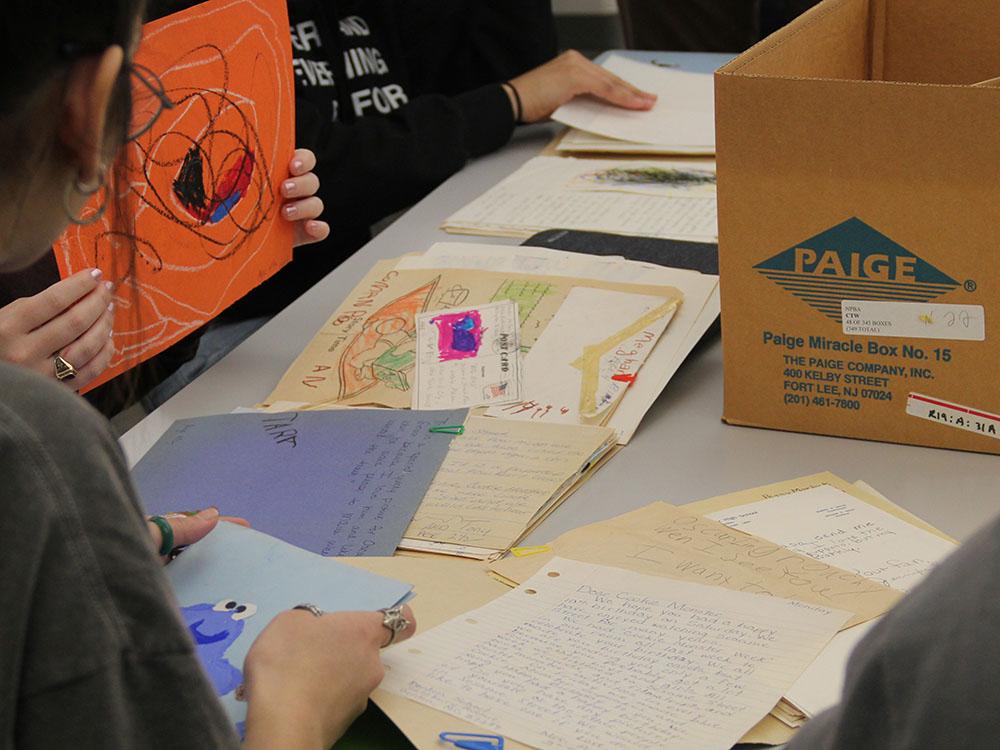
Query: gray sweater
(928, 676)
(93, 653)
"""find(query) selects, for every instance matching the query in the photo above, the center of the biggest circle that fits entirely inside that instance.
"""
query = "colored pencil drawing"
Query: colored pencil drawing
(385, 349)
(648, 180)
(527, 295)
(215, 628)
(459, 335)
(681, 178)
(201, 203)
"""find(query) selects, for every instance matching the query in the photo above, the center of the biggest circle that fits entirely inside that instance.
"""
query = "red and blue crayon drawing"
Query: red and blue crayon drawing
(189, 186)
(459, 335)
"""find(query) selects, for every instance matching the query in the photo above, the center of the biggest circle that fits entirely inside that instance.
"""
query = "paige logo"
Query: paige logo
(853, 261)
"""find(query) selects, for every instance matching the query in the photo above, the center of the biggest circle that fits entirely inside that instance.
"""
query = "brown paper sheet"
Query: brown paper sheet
(661, 539)
(365, 352)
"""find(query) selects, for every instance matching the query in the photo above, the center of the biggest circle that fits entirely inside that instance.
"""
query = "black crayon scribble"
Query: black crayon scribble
(221, 167)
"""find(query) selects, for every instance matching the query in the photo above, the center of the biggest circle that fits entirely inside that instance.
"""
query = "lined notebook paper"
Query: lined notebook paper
(587, 656)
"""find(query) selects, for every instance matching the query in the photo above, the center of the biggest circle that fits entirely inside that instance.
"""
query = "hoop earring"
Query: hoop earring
(87, 191)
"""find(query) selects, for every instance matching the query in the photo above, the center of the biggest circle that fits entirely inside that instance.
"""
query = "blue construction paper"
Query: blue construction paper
(342, 482)
(221, 580)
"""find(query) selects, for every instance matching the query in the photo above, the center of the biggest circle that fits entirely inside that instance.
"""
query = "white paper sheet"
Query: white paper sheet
(539, 196)
(565, 379)
(587, 656)
(468, 357)
(831, 525)
(684, 113)
(696, 314)
(578, 141)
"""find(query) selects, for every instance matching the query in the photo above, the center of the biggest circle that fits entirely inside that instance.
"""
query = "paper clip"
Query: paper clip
(529, 551)
(449, 429)
(473, 741)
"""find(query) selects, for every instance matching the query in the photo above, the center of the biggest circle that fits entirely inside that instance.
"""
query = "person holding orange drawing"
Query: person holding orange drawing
(93, 651)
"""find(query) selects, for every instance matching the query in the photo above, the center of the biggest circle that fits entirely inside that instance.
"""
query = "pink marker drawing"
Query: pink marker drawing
(459, 335)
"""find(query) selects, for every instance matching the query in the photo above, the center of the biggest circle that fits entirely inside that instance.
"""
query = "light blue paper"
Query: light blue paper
(341, 482)
(234, 568)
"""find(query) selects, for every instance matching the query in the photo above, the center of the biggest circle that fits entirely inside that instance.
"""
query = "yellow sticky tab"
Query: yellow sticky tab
(529, 551)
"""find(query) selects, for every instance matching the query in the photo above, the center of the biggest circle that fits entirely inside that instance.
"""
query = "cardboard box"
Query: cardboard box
(859, 224)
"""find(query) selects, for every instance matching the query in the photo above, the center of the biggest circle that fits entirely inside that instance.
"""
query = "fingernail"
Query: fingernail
(111, 307)
(297, 165)
(289, 188)
(291, 212)
(316, 228)
(209, 513)
(109, 286)
(97, 273)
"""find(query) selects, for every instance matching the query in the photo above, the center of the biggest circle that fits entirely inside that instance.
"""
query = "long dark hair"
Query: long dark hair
(39, 41)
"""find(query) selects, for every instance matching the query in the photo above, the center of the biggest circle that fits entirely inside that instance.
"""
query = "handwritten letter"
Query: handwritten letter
(667, 541)
(342, 482)
(828, 524)
(584, 656)
(498, 476)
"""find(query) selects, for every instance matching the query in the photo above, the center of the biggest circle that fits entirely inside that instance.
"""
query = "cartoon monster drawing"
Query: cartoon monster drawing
(216, 627)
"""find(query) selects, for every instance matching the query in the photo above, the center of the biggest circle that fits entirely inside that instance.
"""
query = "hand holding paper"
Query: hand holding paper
(542, 90)
(233, 583)
(684, 113)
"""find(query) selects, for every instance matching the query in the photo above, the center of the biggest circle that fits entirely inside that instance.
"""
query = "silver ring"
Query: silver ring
(393, 620)
(311, 608)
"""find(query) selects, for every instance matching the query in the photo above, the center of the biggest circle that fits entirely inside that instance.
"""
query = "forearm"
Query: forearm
(272, 724)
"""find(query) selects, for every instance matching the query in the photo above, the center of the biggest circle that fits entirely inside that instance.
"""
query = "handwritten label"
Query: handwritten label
(281, 429)
(915, 320)
(953, 415)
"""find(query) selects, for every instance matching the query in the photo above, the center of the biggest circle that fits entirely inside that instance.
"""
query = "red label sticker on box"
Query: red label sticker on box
(953, 415)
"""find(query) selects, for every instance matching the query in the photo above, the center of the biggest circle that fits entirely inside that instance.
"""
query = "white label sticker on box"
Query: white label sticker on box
(953, 415)
(914, 320)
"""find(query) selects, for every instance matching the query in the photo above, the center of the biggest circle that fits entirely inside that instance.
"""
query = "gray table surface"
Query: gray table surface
(681, 453)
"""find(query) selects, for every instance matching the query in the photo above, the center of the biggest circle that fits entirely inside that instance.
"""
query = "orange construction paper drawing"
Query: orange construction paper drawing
(201, 201)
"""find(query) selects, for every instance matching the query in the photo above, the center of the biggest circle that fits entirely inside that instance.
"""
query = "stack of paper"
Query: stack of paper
(681, 122)
(499, 481)
(549, 374)
(826, 518)
(586, 656)
(235, 581)
(344, 482)
(595, 342)
(673, 199)
(664, 540)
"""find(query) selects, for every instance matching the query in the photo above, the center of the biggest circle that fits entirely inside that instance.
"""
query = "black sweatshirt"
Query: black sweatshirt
(394, 97)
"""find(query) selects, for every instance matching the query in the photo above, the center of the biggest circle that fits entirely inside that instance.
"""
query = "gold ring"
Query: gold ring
(64, 370)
